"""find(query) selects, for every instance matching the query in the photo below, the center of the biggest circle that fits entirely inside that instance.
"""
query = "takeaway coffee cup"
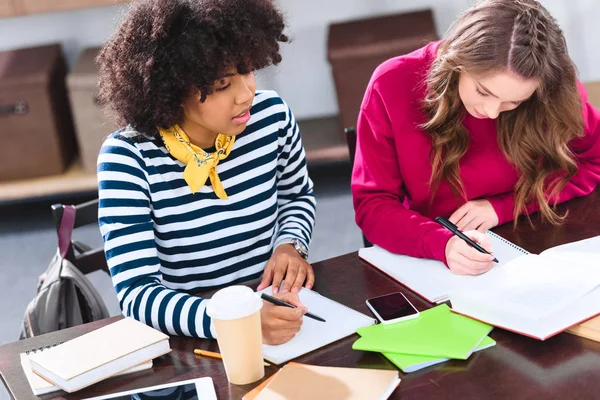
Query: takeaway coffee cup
(235, 312)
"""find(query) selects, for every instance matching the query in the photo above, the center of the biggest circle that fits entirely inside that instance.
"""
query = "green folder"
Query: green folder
(437, 332)
(411, 363)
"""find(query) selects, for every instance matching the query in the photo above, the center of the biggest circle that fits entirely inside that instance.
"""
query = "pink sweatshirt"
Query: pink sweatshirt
(390, 180)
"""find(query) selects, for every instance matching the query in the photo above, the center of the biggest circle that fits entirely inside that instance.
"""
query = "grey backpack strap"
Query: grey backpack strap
(89, 294)
(72, 301)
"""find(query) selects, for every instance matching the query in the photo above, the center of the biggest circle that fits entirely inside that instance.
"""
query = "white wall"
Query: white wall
(74, 29)
(304, 77)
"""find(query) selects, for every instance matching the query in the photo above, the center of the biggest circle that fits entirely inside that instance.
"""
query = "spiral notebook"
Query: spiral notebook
(431, 279)
(341, 321)
(40, 386)
(99, 354)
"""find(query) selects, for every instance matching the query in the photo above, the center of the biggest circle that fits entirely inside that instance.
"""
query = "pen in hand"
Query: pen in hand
(278, 302)
(454, 229)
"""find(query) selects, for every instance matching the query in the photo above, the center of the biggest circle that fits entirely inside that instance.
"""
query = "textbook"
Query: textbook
(431, 279)
(437, 332)
(302, 381)
(411, 363)
(99, 354)
(341, 321)
(536, 295)
(40, 386)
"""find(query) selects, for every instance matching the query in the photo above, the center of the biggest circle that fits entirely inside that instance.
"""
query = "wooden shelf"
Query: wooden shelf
(323, 140)
(74, 181)
(14, 8)
(321, 137)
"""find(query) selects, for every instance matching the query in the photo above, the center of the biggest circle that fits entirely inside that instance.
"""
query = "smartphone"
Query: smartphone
(393, 307)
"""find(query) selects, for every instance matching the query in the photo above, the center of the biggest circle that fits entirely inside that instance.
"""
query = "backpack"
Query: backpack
(65, 297)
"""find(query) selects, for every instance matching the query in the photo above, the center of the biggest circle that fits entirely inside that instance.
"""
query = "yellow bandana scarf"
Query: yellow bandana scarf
(200, 164)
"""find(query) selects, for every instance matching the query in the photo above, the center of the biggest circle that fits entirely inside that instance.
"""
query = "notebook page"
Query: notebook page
(431, 279)
(591, 245)
(341, 321)
(532, 285)
(583, 252)
(428, 278)
(38, 384)
(503, 249)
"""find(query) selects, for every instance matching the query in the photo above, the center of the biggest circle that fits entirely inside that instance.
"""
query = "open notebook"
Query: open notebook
(341, 321)
(431, 279)
(536, 295)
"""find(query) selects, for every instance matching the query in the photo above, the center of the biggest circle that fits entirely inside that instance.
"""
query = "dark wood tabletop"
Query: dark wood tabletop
(563, 367)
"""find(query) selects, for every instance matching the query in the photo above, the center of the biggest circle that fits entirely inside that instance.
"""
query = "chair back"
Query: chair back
(351, 141)
(82, 256)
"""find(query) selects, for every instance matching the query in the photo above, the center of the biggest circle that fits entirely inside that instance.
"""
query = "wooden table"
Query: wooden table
(563, 367)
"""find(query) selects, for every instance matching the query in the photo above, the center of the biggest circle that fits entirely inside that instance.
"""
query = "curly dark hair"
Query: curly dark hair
(165, 50)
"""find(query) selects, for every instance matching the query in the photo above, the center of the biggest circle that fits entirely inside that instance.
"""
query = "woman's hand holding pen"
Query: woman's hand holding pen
(280, 324)
(475, 214)
(463, 259)
(286, 263)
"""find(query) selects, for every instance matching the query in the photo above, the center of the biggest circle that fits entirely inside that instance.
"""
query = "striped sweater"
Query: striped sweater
(163, 243)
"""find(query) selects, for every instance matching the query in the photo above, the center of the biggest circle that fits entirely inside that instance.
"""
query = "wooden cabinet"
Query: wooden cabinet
(320, 137)
(13, 8)
(593, 89)
(8, 8)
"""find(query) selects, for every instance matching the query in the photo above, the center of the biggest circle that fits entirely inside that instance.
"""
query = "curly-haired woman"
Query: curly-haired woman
(206, 185)
(481, 127)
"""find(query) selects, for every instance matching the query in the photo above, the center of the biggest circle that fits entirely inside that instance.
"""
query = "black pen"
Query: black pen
(454, 229)
(278, 302)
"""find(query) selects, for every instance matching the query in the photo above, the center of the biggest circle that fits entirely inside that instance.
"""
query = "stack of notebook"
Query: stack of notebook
(437, 335)
(122, 347)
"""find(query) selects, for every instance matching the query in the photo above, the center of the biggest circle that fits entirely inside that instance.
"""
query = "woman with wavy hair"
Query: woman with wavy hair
(206, 183)
(483, 126)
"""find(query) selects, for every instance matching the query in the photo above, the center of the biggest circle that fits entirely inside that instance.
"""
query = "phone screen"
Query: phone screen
(392, 306)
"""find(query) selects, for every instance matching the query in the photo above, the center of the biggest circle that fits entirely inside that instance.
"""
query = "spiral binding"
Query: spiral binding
(40, 349)
(511, 244)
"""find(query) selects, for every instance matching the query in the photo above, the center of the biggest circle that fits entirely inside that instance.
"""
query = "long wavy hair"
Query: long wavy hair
(521, 37)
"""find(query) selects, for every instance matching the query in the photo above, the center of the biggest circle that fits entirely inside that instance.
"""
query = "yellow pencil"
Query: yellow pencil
(207, 353)
(213, 354)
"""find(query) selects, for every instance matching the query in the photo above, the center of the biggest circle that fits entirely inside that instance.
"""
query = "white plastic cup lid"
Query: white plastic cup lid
(233, 302)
